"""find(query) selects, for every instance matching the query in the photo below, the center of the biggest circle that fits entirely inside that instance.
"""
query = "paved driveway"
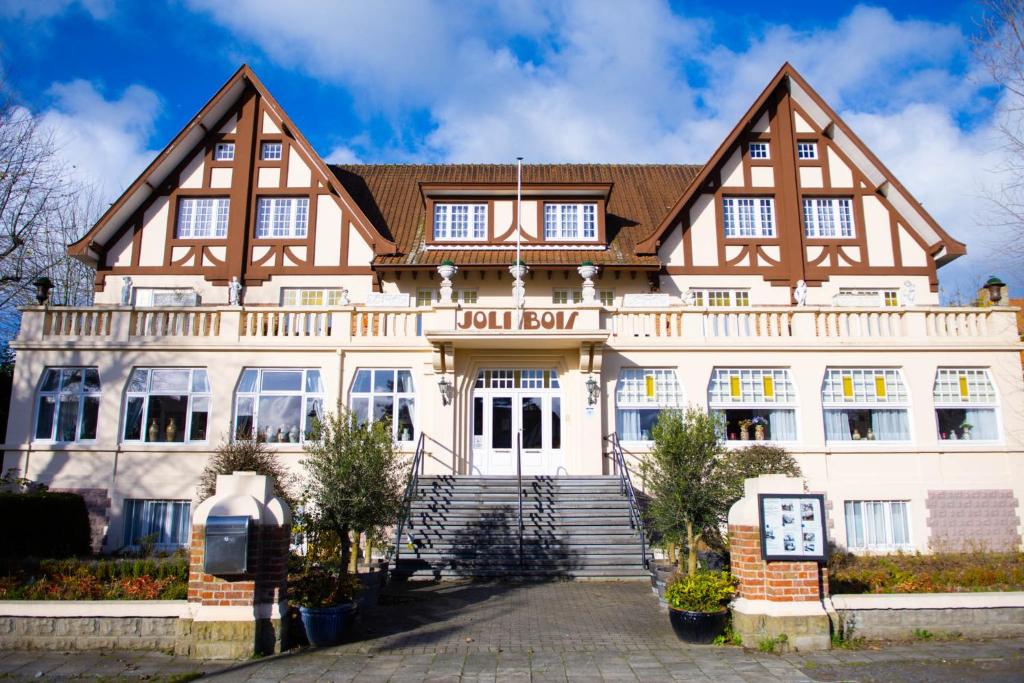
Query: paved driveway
(563, 631)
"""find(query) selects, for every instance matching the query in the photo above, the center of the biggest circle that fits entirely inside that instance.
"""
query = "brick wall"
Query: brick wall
(776, 581)
(981, 519)
(264, 584)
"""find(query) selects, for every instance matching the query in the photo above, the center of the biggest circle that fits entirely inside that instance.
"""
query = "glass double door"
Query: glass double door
(501, 417)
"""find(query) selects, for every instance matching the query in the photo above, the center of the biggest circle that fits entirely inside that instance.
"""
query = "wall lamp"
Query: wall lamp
(446, 390)
(593, 391)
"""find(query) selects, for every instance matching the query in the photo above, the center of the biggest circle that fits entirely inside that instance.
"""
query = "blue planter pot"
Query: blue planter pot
(327, 625)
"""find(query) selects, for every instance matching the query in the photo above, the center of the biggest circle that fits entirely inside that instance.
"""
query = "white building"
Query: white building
(791, 278)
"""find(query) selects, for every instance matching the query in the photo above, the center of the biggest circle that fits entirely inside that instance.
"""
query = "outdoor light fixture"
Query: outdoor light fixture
(995, 289)
(446, 390)
(592, 391)
(43, 286)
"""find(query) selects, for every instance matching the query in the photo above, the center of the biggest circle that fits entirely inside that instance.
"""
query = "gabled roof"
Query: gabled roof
(184, 144)
(390, 194)
(942, 247)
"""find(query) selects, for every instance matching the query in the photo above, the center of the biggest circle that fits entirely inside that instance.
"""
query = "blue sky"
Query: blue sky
(581, 80)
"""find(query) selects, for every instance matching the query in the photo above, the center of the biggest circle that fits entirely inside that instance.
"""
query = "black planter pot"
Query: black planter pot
(697, 627)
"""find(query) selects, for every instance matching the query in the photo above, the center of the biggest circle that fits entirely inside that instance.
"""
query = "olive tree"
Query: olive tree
(355, 481)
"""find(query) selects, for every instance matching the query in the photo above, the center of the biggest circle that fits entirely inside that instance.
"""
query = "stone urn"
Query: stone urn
(447, 270)
(587, 271)
(518, 270)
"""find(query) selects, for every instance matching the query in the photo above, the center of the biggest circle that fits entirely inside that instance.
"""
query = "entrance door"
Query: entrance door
(511, 404)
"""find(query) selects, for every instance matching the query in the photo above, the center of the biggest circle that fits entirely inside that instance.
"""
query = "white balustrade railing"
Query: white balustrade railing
(174, 322)
(859, 323)
(283, 322)
(76, 322)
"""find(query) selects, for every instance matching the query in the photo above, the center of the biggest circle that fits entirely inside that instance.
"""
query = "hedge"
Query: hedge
(101, 579)
(44, 524)
(935, 573)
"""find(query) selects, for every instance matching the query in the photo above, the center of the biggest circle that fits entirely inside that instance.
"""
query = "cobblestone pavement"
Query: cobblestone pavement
(542, 632)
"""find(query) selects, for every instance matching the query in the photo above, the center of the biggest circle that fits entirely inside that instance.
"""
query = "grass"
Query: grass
(935, 573)
(773, 645)
(729, 637)
(923, 634)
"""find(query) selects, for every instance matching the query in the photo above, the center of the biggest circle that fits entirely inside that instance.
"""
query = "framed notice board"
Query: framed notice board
(792, 527)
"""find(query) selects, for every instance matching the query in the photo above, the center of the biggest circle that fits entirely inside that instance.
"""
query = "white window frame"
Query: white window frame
(870, 543)
(183, 510)
(758, 150)
(308, 296)
(150, 297)
(720, 297)
(753, 395)
(981, 395)
(282, 217)
(308, 400)
(430, 296)
(194, 396)
(865, 396)
(668, 394)
(886, 297)
(562, 296)
(81, 394)
(396, 396)
(271, 151)
(829, 218)
(460, 221)
(748, 217)
(806, 150)
(202, 217)
(570, 221)
(224, 151)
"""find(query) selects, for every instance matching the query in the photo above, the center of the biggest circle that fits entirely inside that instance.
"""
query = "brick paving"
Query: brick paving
(565, 631)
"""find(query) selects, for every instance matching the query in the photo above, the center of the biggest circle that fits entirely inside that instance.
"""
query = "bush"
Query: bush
(916, 573)
(319, 587)
(105, 579)
(247, 455)
(701, 592)
(44, 524)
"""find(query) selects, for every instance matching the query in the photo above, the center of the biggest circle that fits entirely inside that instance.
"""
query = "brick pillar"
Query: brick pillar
(774, 598)
(235, 617)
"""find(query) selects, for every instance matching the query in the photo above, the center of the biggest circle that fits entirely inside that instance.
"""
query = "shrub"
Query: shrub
(103, 579)
(320, 587)
(246, 455)
(48, 525)
(701, 592)
(916, 573)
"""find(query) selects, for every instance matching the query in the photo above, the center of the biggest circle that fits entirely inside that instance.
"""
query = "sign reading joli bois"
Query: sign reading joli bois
(506, 320)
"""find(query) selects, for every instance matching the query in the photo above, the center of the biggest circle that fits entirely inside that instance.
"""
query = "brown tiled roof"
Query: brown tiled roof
(641, 195)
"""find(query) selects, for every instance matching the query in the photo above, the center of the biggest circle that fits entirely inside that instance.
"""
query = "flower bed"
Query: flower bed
(101, 579)
(936, 573)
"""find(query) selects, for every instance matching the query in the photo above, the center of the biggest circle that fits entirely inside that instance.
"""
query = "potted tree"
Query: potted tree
(692, 481)
(697, 605)
(355, 476)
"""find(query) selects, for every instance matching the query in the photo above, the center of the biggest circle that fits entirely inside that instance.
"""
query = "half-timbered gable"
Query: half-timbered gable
(238, 193)
(792, 194)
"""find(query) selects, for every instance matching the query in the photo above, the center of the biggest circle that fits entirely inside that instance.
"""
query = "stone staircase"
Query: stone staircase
(574, 527)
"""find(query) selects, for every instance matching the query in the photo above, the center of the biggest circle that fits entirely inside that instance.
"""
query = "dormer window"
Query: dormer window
(457, 222)
(570, 221)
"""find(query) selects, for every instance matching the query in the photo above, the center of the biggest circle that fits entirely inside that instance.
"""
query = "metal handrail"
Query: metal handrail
(410, 491)
(636, 519)
(519, 488)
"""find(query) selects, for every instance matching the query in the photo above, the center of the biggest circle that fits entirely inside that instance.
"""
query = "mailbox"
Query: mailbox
(227, 545)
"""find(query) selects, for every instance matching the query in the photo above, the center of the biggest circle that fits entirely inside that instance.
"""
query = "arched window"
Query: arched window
(865, 404)
(752, 397)
(965, 405)
(68, 404)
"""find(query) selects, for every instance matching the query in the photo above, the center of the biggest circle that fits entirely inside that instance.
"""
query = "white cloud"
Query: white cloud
(343, 154)
(37, 10)
(105, 142)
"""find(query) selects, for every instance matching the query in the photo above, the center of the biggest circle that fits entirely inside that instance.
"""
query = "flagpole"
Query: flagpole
(519, 231)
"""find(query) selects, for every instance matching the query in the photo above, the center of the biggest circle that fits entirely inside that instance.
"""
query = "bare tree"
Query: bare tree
(999, 46)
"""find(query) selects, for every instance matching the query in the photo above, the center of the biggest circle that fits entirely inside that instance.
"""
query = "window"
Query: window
(721, 298)
(278, 405)
(164, 522)
(202, 217)
(167, 405)
(748, 397)
(224, 151)
(428, 297)
(165, 296)
(295, 296)
(570, 221)
(877, 525)
(506, 378)
(386, 394)
(865, 404)
(806, 150)
(748, 216)
(965, 405)
(758, 150)
(68, 404)
(282, 216)
(606, 297)
(870, 298)
(270, 151)
(824, 217)
(460, 221)
(640, 396)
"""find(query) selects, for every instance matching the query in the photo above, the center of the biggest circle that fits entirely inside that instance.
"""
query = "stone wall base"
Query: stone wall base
(806, 626)
(89, 633)
(228, 639)
(901, 624)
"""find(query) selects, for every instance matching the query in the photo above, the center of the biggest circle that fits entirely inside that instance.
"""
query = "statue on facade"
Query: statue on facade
(908, 294)
(800, 293)
(343, 299)
(689, 298)
(126, 291)
(234, 292)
